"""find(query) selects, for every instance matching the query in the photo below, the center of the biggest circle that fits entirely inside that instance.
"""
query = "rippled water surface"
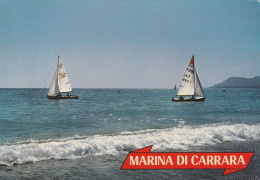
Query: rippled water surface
(91, 136)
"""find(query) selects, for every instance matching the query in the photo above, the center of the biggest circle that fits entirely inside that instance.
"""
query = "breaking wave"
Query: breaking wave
(112, 144)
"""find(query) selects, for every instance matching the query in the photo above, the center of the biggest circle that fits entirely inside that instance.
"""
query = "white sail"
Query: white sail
(198, 89)
(54, 85)
(187, 84)
(63, 79)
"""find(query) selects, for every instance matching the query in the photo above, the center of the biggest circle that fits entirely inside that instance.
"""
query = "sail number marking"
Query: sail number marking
(186, 80)
(189, 70)
(187, 74)
(62, 75)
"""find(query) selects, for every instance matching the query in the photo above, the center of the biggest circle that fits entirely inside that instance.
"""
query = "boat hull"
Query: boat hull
(189, 99)
(62, 97)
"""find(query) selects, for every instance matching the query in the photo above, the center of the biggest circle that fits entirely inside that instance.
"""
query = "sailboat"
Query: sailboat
(174, 87)
(60, 84)
(190, 87)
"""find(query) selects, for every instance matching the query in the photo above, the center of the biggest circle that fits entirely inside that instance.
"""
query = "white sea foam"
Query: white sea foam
(111, 144)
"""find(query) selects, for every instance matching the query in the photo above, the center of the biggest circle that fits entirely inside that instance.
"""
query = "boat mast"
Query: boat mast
(58, 62)
(194, 70)
(57, 77)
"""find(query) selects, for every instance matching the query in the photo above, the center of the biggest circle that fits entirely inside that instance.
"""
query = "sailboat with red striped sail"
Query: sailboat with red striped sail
(190, 87)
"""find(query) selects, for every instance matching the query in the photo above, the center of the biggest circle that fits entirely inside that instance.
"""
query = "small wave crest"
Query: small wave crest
(161, 139)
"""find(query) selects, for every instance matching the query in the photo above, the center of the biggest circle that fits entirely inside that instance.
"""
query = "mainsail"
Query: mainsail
(60, 81)
(63, 79)
(198, 89)
(187, 84)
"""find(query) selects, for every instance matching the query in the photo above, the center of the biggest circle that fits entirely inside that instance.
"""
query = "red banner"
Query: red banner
(144, 159)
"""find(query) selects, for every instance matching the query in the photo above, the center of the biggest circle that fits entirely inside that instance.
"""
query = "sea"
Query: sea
(90, 137)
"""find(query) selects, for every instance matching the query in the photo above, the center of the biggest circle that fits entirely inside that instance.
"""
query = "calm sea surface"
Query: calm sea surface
(89, 138)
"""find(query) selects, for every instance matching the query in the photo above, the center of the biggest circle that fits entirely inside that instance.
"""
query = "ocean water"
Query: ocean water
(89, 138)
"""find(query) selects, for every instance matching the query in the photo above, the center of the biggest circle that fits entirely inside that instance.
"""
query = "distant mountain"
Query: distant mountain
(239, 82)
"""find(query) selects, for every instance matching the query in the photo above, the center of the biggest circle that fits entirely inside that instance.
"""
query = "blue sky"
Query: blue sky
(127, 43)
